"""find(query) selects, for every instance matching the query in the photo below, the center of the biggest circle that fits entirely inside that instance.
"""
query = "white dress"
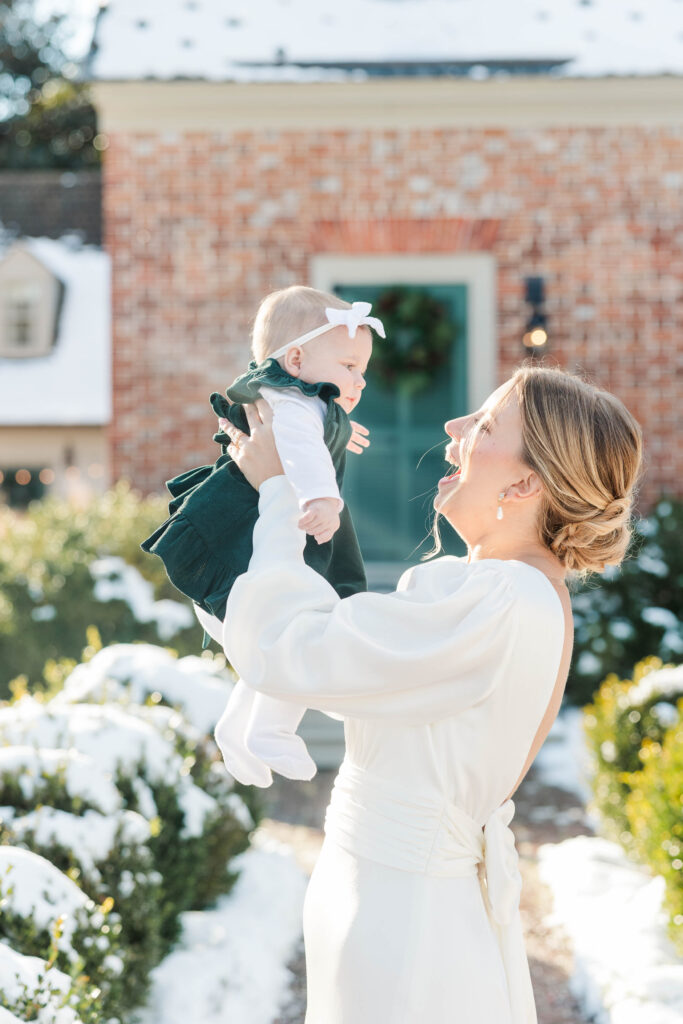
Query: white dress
(412, 911)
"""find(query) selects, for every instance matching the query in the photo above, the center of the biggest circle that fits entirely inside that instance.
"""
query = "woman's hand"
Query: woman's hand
(255, 454)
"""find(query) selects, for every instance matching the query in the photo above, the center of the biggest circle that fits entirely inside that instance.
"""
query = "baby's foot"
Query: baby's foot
(284, 752)
(229, 734)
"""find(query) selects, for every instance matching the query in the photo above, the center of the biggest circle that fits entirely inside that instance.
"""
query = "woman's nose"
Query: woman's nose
(452, 427)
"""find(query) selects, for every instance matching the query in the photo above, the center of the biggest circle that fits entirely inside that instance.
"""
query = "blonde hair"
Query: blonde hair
(587, 449)
(285, 314)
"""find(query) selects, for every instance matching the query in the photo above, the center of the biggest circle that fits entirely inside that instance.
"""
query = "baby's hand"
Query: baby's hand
(321, 518)
(359, 438)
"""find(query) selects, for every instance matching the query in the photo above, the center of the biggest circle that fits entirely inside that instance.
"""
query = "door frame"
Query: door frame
(476, 270)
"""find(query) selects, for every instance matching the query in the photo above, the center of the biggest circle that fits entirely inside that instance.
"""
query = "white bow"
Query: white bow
(503, 879)
(355, 317)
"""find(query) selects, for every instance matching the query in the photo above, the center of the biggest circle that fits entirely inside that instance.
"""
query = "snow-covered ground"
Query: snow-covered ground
(230, 964)
(626, 969)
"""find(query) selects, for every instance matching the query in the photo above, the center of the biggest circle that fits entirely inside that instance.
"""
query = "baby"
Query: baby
(311, 351)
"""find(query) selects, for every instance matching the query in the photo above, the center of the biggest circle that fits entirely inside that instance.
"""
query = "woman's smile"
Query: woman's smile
(450, 477)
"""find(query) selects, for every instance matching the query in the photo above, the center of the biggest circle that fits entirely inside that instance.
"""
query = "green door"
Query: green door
(391, 486)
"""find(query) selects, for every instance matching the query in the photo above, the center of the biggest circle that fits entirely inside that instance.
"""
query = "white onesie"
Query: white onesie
(298, 429)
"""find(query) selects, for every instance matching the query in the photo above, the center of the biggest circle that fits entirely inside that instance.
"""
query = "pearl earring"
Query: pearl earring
(499, 513)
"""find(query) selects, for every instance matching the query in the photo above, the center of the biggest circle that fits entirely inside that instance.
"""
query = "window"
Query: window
(19, 486)
(21, 307)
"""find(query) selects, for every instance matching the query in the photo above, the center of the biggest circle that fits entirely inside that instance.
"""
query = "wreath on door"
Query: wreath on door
(419, 337)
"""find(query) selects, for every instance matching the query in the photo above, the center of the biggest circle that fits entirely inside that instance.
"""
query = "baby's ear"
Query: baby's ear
(292, 361)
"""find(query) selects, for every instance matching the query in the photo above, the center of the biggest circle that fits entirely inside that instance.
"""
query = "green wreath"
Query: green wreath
(419, 337)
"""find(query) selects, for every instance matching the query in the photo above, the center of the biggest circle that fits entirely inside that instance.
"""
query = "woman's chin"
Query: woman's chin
(446, 488)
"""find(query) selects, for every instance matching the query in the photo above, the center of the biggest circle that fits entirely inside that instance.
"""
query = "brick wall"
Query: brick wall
(201, 225)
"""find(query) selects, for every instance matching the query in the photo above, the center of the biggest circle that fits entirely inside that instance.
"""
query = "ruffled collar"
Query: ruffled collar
(270, 374)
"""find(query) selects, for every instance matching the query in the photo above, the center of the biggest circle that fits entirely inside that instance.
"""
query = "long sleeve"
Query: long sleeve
(299, 437)
(435, 646)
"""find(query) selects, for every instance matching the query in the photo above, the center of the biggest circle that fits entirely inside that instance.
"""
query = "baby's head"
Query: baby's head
(333, 357)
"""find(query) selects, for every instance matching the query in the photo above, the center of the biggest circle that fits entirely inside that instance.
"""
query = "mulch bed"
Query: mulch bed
(543, 814)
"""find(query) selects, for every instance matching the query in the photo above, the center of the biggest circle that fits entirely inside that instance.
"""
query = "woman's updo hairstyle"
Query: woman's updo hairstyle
(586, 447)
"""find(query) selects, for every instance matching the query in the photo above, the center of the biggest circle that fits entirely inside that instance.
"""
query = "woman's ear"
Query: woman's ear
(528, 487)
(292, 361)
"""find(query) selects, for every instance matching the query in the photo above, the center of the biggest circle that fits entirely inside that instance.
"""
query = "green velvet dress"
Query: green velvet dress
(206, 542)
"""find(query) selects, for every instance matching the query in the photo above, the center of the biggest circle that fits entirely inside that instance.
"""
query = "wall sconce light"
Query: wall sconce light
(535, 336)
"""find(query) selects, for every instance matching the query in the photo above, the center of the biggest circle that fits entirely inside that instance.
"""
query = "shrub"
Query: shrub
(635, 611)
(654, 809)
(44, 911)
(127, 803)
(110, 860)
(36, 990)
(625, 719)
(63, 568)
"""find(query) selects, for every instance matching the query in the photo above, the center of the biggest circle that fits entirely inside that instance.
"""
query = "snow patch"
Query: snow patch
(230, 961)
(626, 969)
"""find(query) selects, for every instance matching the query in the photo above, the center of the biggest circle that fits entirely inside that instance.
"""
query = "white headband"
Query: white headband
(352, 318)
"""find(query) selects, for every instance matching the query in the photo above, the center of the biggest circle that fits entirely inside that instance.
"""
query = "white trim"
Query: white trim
(386, 103)
(476, 270)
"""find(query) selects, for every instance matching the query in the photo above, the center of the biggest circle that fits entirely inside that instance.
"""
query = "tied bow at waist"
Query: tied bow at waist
(371, 817)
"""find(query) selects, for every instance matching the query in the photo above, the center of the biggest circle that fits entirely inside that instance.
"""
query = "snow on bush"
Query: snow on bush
(28, 981)
(117, 581)
(34, 888)
(28, 775)
(120, 744)
(135, 672)
(91, 836)
(114, 805)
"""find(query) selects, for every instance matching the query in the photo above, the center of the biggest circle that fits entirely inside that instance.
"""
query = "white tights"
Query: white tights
(256, 733)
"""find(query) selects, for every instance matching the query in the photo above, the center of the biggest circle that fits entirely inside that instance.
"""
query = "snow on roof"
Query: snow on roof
(72, 384)
(285, 40)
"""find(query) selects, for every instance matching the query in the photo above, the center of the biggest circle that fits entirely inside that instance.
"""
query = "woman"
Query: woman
(447, 687)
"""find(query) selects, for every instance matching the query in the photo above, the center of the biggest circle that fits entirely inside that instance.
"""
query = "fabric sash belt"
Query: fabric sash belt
(371, 817)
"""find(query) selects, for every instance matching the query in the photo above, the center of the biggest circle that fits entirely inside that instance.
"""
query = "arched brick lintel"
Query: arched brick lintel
(395, 235)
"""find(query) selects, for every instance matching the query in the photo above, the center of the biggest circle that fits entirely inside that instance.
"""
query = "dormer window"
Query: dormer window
(30, 298)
